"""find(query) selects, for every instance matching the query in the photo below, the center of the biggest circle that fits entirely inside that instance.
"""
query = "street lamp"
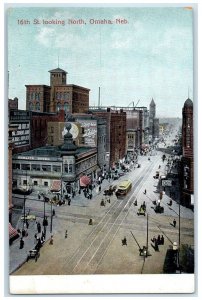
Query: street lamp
(51, 224)
(24, 213)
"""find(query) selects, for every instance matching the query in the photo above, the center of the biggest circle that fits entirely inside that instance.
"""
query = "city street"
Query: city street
(97, 248)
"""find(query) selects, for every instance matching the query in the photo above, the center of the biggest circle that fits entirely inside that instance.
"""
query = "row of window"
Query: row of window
(60, 95)
(34, 95)
(34, 107)
(35, 182)
(68, 168)
(66, 106)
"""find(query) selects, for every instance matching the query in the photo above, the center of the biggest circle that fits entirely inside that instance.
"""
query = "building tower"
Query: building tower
(187, 153)
(58, 77)
(152, 109)
(68, 153)
(152, 114)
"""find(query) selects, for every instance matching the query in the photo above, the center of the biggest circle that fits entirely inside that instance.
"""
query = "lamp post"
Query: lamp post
(51, 224)
(44, 216)
(24, 213)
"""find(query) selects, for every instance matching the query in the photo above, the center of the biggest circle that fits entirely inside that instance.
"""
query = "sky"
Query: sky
(149, 55)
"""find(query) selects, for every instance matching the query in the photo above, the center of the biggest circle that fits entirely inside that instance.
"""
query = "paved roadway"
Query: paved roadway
(97, 248)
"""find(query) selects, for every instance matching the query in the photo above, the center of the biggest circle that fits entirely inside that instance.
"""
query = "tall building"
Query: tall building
(153, 121)
(187, 168)
(116, 134)
(58, 96)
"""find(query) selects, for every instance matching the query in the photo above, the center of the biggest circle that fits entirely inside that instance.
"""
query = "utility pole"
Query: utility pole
(24, 213)
(147, 244)
(51, 224)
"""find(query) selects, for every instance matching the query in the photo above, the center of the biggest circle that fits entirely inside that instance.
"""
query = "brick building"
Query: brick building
(187, 162)
(116, 133)
(58, 96)
(38, 98)
(30, 128)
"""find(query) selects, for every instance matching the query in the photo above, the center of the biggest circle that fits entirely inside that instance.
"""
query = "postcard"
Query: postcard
(100, 147)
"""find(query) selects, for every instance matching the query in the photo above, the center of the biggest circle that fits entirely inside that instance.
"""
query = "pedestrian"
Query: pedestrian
(23, 232)
(124, 241)
(21, 243)
(156, 246)
(174, 223)
(66, 234)
(51, 240)
(153, 240)
(162, 240)
(100, 188)
(135, 203)
(145, 191)
(53, 212)
(27, 224)
(39, 227)
(69, 201)
(39, 197)
(35, 236)
(159, 240)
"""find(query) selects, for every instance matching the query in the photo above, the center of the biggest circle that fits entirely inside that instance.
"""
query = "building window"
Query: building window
(52, 129)
(45, 183)
(57, 169)
(58, 106)
(37, 106)
(35, 182)
(25, 167)
(16, 166)
(36, 167)
(24, 182)
(66, 169)
(66, 106)
(70, 168)
(46, 168)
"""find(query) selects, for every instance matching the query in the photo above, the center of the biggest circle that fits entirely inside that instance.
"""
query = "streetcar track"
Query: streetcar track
(128, 202)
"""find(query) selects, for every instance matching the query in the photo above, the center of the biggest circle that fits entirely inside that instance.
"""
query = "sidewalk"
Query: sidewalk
(19, 256)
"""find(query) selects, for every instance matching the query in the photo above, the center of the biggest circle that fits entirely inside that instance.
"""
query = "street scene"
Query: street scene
(81, 248)
(100, 141)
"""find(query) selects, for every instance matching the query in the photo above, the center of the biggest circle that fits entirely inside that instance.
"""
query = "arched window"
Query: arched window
(57, 95)
(37, 106)
(30, 106)
(66, 106)
(58, 106)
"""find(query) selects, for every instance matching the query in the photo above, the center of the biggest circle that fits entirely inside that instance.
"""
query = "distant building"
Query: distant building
(137, 121)
(156, 128)
(58, 96)
(116, 134)
(153, 122)
(187, 168)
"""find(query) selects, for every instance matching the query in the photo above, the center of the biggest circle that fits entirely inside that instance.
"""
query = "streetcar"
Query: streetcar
(123, 188)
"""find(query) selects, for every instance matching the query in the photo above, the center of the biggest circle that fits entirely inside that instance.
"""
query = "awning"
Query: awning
(55, 186)
(84, 181)
(12, 232)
